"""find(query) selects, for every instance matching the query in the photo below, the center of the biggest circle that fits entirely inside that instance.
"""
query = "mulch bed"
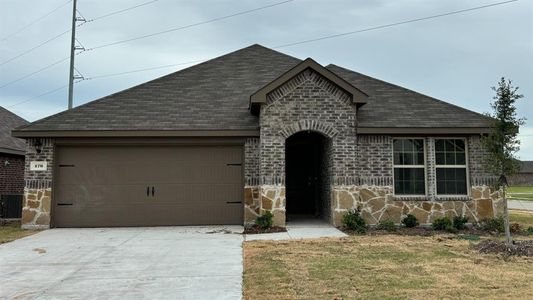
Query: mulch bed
(256, 229)
(428, 231)
(518, 248)
(417, 231)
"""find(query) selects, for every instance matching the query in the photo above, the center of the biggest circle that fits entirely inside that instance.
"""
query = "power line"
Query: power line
(38, 96)
(35, 21)
(145, 69)
(322, 38)
(67, 31)
(300, 42)
(393, 24)
(35, 72)
(43, 94)
(190, 25)
(34, 47)
(121, 11)
(38, 71)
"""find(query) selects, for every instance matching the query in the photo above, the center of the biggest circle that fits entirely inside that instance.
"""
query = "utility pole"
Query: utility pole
(72, 50)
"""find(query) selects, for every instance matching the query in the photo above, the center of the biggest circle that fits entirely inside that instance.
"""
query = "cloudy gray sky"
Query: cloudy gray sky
(455, 58)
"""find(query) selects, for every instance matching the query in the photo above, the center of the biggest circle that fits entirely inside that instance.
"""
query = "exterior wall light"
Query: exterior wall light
(38, 145)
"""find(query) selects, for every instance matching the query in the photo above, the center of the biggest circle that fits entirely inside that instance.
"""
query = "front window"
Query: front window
(450, 165)
(409, 167)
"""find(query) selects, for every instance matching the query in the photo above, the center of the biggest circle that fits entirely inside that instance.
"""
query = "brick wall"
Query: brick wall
(251, 161)
(11, 174)
(374, 160)
(477, 156)
(307, 102)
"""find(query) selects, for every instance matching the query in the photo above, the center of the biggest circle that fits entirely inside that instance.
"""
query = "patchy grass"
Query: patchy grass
(381, 267)
(522, 217)
(12, 231)
(520, 193)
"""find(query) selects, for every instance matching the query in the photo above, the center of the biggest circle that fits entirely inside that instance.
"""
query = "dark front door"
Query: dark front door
(304, 162)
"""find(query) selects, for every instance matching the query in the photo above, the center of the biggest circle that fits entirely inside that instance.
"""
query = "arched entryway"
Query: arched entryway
(307, 181)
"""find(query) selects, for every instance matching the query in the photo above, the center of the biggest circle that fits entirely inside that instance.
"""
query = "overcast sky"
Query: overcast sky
(455, 58)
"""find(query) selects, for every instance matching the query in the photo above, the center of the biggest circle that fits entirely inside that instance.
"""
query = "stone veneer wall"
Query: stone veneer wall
(377, 203)
(38, 187)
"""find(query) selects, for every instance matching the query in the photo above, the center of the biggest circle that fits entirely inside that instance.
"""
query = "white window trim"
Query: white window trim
(453, 166)
(424, 166)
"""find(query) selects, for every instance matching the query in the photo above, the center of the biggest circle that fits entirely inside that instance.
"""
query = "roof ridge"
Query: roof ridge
(411, 91)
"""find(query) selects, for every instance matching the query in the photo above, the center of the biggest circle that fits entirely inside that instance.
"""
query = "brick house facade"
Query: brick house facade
(11, 174)
(315, 141)
(12, 152)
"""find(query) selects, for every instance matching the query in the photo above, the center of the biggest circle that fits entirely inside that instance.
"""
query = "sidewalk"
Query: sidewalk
(520, 204)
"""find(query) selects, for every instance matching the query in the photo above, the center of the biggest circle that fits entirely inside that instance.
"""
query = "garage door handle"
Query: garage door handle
(153, 191)
(233, 202)
(147, 191)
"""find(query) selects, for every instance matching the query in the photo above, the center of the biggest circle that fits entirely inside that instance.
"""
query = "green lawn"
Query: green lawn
(520, 193)
(12, 231)
(524, 218)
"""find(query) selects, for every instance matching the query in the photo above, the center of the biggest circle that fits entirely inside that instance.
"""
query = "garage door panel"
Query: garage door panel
(106, 186)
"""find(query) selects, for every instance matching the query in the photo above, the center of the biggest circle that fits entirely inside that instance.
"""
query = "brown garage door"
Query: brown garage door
(147, 186)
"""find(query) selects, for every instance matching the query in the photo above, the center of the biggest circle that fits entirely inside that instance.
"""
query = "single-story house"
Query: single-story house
(252, 131)
(524, 177)
(12, 151)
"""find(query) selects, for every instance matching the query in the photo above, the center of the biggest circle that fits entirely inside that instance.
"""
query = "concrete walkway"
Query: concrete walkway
(124, 263)
(520, 204)
(300, 229)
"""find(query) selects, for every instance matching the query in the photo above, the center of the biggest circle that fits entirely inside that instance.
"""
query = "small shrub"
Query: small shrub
(451, 229)
(386, 225)
(515, 227)
(529, 230)
(442, 223)
(353, 221)
(410, 221)
(491, 224)
(264, 221)
(459, 222)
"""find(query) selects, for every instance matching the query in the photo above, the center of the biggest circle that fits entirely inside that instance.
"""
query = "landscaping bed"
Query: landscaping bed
(518, 248)
(255, 229)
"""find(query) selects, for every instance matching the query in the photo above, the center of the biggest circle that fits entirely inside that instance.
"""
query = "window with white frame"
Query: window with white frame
(450, 166)
(409, 167)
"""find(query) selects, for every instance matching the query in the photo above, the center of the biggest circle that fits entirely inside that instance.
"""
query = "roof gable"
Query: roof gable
(8, 143)
(260, 96)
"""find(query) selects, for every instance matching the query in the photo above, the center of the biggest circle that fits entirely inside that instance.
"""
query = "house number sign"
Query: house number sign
(38, 165)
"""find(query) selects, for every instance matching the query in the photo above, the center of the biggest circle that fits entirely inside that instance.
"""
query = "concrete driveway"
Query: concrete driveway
(124, 263)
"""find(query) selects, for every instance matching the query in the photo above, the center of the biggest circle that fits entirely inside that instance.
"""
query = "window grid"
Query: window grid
(409, 163)
(451, 171)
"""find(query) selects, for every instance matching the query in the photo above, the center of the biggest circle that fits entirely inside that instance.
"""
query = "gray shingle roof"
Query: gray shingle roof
(8, 122)
(214, 95)
(390, 105)
(526, 166)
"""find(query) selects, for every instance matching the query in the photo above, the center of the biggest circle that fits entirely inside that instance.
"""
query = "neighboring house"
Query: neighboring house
(524, 177)
(253, 131)
(12, 151)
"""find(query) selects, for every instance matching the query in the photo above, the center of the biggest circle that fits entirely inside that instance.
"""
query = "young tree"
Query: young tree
(502, 143)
